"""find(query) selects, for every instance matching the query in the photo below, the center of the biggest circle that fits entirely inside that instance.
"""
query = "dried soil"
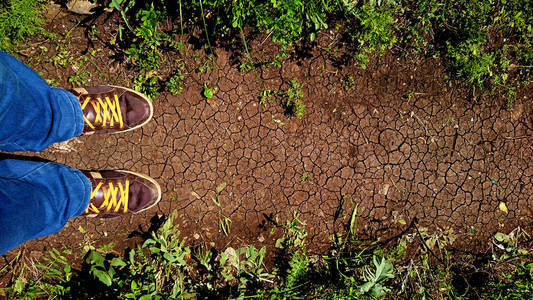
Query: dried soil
(401, 142)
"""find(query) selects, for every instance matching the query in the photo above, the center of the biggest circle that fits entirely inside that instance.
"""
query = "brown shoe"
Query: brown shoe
(118, 192)
(112, 109)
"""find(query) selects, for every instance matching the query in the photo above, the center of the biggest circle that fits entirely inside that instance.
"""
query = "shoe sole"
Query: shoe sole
(142, 96)
(158, 187)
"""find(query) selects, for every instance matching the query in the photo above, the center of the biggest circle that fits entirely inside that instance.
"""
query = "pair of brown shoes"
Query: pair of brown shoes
(113, 109)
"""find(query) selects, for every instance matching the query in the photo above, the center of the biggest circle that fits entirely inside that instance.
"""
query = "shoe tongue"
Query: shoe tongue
(125, 102)
(139, 197)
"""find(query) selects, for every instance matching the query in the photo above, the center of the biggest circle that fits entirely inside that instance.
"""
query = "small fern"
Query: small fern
(19, 19)
(298, 264)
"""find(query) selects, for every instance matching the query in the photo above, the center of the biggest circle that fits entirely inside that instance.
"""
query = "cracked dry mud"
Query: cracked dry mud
(400, 142)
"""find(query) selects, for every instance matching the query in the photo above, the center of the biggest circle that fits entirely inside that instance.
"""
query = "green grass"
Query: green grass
(19, 20)
(485, 43)
(165, 266)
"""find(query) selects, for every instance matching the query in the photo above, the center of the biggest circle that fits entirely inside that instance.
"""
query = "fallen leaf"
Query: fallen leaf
(500, 237)
(82, 7)
(503, 207)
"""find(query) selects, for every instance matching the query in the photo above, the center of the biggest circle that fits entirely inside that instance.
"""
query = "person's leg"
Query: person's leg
(37, 199)
(33, 114)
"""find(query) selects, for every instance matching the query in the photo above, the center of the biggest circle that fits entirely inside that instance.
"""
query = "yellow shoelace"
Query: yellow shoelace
(110, 198)
(111, 115)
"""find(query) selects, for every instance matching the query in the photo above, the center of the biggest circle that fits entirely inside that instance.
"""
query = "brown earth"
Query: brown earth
(401, 142)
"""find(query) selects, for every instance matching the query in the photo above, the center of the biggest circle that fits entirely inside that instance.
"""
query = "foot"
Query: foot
(115, 193)
(112, 109)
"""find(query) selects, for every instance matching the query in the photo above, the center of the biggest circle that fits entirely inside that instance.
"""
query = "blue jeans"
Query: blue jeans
(36, 198)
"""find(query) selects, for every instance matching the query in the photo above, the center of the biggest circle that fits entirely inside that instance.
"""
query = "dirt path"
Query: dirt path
(399, 142)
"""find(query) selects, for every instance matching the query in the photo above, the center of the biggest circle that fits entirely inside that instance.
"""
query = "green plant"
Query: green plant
(245, 66)
(163, 266)
(147, 83)
(99, 269)
(146, 52)
(156, 269)
(375, 279)
(224, 223)
(62, 58)
(280, 57)
(290, 99)
(349, 83)
(19, 19)
(170, 253)
(298, 269)
(517, 284)
(205, 27)
(508, 244)
(469, 61)
(80, 77)
(294, 98)
(209, 92)
(486, 43)
(295, 90)
(374, 30)
(286, 20)
(208, 64)
(480, 41)
(245, 263)
(293, 234)
(174, 83)
(49, 277)
(123, 6)
(266, 96)
(304, 178)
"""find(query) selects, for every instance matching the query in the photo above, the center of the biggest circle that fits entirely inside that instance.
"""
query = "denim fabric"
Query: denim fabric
(33, 114)
(36, 198)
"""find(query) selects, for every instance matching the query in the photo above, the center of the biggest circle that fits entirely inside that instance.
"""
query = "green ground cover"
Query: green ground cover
(486, 43)
(163, 266)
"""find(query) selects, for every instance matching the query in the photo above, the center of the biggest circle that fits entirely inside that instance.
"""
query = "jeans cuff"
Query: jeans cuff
(87, 187)
(74, 104)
